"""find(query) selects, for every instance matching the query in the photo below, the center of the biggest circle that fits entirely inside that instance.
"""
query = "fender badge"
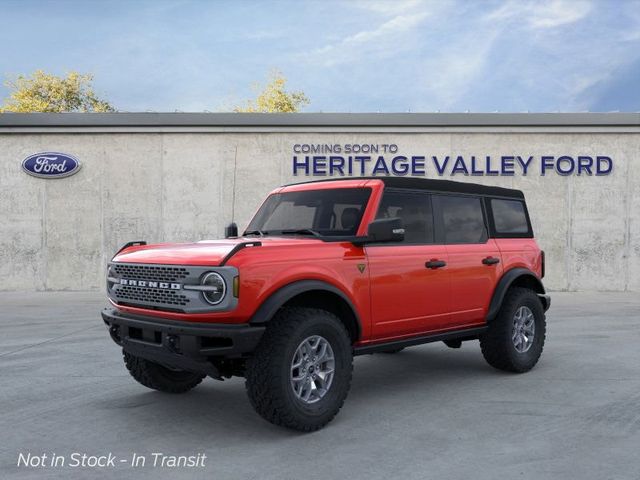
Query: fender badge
(361, 267)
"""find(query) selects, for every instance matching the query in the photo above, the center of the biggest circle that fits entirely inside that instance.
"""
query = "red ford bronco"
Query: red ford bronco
(327, 270)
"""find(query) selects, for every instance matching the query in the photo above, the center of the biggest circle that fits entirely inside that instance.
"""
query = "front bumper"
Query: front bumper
(182, 345)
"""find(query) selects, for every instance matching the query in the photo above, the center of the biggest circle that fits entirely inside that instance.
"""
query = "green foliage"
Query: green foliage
(274, 98)
(43, 92)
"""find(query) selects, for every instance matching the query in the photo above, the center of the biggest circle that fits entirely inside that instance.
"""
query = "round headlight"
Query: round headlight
(216, 288)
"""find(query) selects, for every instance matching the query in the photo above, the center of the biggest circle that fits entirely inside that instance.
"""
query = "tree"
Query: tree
(44, 92)
(275, 98)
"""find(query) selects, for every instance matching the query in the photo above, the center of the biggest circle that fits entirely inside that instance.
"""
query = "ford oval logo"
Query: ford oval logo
(51, 165)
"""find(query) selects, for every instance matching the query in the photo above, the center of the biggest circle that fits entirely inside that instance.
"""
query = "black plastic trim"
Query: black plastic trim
(158, 354)
(237, 248)
(135, 243)
(465, 334)
(243, 338)
(269, 307)
(435, 264)
(546, 301)
(503, 285)
(431, 185)
(490, 261)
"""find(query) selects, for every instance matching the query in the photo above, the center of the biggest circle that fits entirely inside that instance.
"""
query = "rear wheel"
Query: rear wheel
(158, 377)
(515, 338)
(300, 374)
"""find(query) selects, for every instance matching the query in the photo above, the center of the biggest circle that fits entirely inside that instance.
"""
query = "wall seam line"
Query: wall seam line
(627, 231)
(568, 258)
(162, 191)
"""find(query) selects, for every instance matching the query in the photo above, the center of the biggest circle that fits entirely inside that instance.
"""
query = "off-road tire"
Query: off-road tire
(496, 343)
(155, 376)
(268, 371)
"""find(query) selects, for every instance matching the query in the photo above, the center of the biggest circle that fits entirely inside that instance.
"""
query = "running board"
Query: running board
(466, 334)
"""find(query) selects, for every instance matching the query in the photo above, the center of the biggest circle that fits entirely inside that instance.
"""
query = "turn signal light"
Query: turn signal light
(236, 286)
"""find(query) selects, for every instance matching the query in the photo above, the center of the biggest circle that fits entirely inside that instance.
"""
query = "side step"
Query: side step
(461, 335)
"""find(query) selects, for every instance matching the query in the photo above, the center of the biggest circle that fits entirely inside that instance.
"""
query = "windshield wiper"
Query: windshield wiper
(254, 232)
(301, 231)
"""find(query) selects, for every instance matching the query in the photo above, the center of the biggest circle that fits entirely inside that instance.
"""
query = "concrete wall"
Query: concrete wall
(58, 234)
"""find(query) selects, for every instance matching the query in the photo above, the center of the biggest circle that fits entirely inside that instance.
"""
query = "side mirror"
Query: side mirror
(383, 230)
(231, 230)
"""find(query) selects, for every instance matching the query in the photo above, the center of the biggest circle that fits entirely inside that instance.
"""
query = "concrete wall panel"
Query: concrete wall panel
(193, 172)
(547, 197)
(131, 190)
(58, 234)
(22, 198)
(73, 219)
(258, 170)
(631, 148)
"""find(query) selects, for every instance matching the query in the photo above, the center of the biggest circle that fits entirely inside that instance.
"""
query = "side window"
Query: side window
(346, 217)
(509, 216)
(462, 218)
(414, 209)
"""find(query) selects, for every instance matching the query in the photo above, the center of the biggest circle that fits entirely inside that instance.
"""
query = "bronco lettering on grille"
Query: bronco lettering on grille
(149, 284)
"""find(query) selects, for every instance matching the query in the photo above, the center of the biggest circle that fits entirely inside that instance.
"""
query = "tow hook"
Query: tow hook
(173, 344)
(114, 331)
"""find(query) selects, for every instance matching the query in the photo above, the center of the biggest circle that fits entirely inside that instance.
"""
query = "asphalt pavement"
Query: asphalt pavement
(427, 412)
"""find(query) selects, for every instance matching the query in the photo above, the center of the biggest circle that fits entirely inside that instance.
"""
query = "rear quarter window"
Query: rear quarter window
(509, 217)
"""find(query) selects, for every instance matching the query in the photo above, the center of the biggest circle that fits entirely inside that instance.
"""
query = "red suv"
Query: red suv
(325, 271)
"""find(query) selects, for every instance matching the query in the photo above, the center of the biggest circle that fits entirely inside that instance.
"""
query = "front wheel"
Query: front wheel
(300, 373)
(514, 339)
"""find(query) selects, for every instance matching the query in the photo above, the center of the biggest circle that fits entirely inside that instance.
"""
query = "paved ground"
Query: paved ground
(428, 412)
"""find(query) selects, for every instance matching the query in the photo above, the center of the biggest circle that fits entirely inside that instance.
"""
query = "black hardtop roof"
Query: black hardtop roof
(428, 184)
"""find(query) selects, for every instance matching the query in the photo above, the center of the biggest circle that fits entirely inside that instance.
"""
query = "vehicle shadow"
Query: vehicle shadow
(222, 408)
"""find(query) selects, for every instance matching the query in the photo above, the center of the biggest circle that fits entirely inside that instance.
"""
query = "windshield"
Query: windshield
(332, 212)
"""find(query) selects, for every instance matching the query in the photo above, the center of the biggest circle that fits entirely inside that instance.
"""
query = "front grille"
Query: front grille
(145, 296)
(131, 294)
(151, 272)
(164, 287)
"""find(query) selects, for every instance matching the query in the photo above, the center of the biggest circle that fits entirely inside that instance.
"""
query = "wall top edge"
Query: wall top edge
(301, 120)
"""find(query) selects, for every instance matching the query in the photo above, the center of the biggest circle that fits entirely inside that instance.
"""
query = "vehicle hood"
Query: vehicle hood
(205, 253)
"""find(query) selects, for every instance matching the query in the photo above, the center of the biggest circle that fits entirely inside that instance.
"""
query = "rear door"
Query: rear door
(474, 258)
(408, 297)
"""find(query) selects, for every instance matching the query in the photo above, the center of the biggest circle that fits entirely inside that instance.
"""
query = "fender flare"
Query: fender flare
(505, 282)
(271, 305)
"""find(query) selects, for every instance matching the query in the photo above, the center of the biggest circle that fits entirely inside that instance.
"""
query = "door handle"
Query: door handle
(435, 264)
(490, 260)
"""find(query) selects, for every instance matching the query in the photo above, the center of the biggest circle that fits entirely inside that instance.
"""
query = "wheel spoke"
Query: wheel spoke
(322, 353)
(312, 369)
(523, 329)
(297, 386)
(310, 388)
(297, 363)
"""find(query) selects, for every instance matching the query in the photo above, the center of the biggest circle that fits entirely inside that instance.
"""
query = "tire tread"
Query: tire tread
(492, 343)
(262, 373)
(146, 373)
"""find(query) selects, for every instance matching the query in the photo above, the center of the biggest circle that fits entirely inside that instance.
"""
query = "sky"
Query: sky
(347, 56)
